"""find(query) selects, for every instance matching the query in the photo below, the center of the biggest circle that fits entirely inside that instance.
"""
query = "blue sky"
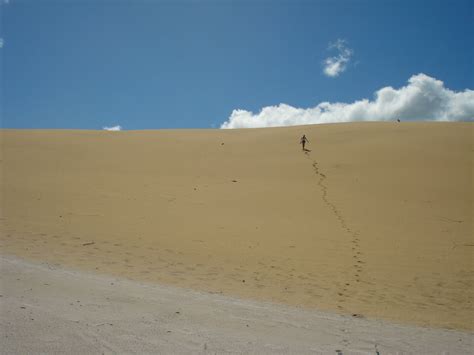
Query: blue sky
(189, 64)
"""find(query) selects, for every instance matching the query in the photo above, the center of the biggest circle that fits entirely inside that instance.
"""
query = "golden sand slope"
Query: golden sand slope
(375, 220)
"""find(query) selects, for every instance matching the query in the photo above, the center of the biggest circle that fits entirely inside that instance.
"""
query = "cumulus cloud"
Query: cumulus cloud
(335, 65)
(113, 128)
(423, 98)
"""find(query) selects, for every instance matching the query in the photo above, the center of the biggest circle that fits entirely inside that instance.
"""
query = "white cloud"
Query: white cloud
(335, 65)
(114, 128)
(2, 42)
(424, 98)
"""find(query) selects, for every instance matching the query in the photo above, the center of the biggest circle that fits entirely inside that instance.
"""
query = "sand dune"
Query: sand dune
(376, 220)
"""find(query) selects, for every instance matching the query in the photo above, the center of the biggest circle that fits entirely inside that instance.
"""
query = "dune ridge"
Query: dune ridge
(375, 220)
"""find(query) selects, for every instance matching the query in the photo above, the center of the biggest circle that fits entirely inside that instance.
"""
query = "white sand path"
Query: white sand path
(47, 309)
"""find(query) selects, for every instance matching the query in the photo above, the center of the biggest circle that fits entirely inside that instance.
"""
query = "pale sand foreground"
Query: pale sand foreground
(51, 310)
(376, 220)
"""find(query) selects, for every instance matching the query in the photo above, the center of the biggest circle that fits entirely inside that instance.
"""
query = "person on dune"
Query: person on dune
(303, 141)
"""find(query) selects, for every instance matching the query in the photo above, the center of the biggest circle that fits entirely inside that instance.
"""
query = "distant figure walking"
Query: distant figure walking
(303, 141)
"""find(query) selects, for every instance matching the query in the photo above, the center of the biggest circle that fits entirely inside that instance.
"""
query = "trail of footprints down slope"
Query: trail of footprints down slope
(346, 290)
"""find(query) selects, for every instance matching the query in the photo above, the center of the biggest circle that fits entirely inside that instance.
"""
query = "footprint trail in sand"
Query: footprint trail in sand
(357, 262)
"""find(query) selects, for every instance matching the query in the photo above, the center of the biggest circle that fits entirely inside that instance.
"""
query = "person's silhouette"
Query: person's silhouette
(303, 141)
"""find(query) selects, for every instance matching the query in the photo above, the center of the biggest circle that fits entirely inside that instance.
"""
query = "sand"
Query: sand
(53, 310)
(376, 220)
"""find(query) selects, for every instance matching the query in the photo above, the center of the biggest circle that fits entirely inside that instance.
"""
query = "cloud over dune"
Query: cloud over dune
(114, 128)
(333, 66)
(423, 98)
